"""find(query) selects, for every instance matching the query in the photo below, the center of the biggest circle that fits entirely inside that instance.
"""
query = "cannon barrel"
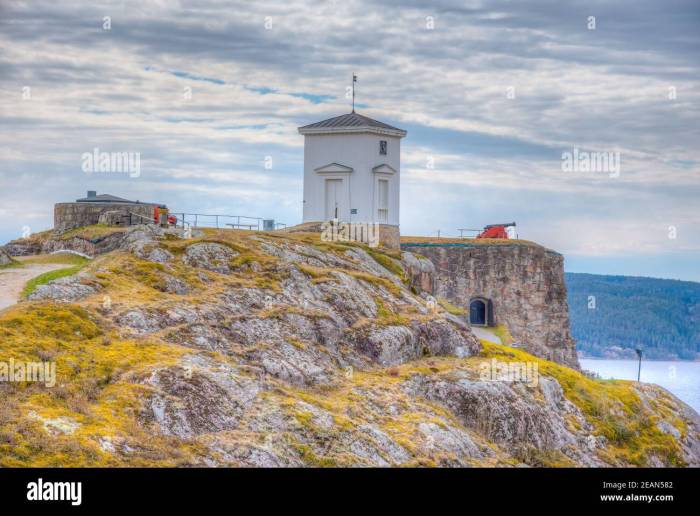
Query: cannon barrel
(507, 224)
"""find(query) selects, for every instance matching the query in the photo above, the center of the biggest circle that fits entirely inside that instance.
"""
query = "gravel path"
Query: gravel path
(12, 281)
(486, 334)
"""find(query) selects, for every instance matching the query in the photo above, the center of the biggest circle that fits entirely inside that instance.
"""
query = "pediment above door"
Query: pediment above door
(333, 168)
(384, 169)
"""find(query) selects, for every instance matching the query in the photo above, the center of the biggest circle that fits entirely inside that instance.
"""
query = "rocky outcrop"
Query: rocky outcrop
(667, 423)
(392, 345)
(307, 332)
(90, 247)
(52, 243)
(5, 258)
(198, 397)
(210, 256)
(284, 351)
(70, 288)
(23, 247)
(522, 419)
(420, 272)
(135, 238)
(523, 282)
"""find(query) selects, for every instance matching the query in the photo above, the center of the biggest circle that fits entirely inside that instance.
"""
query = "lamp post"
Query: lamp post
(639, 370)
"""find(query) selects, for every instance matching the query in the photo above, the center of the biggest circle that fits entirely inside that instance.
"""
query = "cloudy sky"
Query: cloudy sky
(492, 94)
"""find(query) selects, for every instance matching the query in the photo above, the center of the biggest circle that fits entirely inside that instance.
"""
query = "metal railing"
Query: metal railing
(141, 219)
(471, 232)
(203, 220)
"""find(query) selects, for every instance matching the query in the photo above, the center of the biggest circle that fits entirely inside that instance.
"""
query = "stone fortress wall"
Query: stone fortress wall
(71, 215)
(524, 283)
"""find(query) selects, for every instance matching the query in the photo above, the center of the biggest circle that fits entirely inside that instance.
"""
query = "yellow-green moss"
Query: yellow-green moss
(543, 458)
(449, 307)
(613, 407)
(387, 262)
(59, 258)
(387, 317)
(91, 232)
(376, 280)
(96, 387)
(298, 344)
(43, 279)
(310, 458)
(501, 331)
(317, 274)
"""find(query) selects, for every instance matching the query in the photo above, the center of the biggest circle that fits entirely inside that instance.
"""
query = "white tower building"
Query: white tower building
(352, 171)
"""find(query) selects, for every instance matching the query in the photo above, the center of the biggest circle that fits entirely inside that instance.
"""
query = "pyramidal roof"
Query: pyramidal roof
(351, 123)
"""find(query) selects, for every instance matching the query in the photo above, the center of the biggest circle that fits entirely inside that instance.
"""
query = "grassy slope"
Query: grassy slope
(60, 258)
(88, 360)
(98, 373)
(43, 279)
(77, 262)
(92, 232)
(613, 407)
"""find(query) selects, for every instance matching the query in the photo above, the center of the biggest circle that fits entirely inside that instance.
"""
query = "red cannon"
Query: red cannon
(496, 230)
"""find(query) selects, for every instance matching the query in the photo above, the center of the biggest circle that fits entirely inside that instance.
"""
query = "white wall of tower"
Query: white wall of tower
(360, 186)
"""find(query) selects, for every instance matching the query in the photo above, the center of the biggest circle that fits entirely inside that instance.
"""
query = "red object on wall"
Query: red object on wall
(495, 231)
(158, 211)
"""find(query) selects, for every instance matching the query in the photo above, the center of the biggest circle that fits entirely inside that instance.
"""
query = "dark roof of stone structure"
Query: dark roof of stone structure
(106, 198)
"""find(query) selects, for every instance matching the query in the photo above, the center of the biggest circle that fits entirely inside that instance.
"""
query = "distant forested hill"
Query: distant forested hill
(660, 316)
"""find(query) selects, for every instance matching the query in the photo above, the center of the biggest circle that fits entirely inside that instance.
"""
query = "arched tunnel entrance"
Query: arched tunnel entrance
(481, 312)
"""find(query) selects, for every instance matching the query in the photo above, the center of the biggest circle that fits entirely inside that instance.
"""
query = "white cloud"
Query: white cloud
(597, 90)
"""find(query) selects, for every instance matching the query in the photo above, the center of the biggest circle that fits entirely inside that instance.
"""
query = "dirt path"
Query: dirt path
(485, 334)
(12, 280)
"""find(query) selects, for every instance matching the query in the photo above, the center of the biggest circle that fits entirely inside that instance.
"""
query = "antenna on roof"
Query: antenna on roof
(354, 80)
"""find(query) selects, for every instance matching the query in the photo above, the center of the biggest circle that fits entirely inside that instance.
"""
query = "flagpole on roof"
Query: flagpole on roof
(354, 80)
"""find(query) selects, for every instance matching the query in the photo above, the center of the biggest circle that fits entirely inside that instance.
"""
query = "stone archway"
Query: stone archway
(480, 312)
